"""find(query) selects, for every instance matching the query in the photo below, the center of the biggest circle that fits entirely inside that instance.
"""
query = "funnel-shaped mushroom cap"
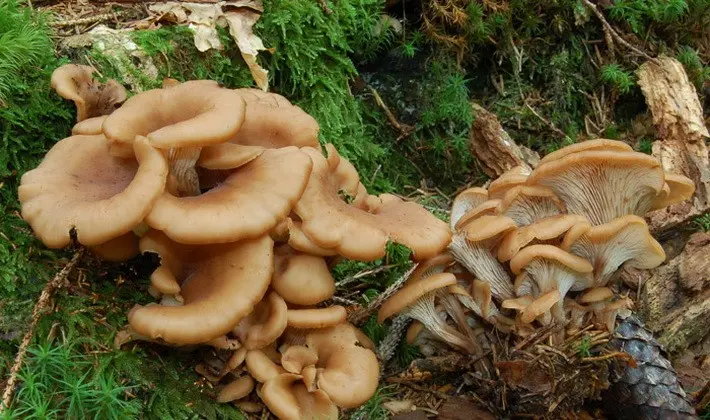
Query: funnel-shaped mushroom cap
(236, 390)
(411, 292)
(596, 294)
(264, 324)
(540, 306)
(295, 358)
(330, 222)
(316, 318)
(249, 203)
(602, 185)
(221, 284)
(272, 121)
(80, 185)
(172, 258)
(228, 155)
(625, 240)
(349, 372)
(596, 144)
(487, 208)
(300, 278)
(118, 249)
(261, 367)
(192, 114)
(289, 399)
(512, 178)
(553, 269)
(525, 204)
(299, 241)
(676, 189)
(550, 228)
(90, 127)
(465, 201)
(91, 97)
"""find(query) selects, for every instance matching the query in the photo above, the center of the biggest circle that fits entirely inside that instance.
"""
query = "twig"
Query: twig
(362, 274)
(37, 311)
(618, 354)
(404, 129)
(90, 19)
(546, 122)
(356, 317)
(608, 28)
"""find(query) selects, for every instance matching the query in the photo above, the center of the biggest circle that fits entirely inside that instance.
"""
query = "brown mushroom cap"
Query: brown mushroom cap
(625, 240)
(680, 188)
(596, 144)
(91, 127)
(228, 155)
(300, 278)
(118, 249)
(526, 204)
(273, 122)
(542, 230)
(261, 367)
(465, 201)
(91, 97)
(540, 306)
(299, 241)
(511, 178)
(172, 257)
(295, 358)
(596, 294)
(265, 324)
(221, 284)
(249, 203)
(413, 331)
(236, 390)
(412, 291)
(79, 185)
(289, 400)
(602, 185)
(192, 114)
(354, 233)
(487, 208)
(316, 318)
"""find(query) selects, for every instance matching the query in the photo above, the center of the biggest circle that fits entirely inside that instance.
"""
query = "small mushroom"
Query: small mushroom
(300, 278)
(236, 390)
(465, 201)
(295, 358)
(261, 367)
(542, 231)
(91, 97)
(488, 207)
(602, 185)
(80, 186)
(265, 324)
(677, 188)
(511, 178)
(288, 399)
(526, 205)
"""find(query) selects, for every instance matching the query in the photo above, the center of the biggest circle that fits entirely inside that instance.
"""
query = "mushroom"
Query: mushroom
(526, 205)
(300, 278)
(221, 284)
(332, 223)
(596, 144)
(515, 176)
(472, 247)
(119, 249)
(261, 367)
(248, 204)
(625, 240)
(265, 324)
(92, 127)
(91, 97)
(465, 201)
(552, 269)
(299, 241)
(602, 185)
(295, 358)
(488, 207)
(236, 390)
(677, 188)
(542, 231)
(228, 156)
(80, 186)
(289, 400)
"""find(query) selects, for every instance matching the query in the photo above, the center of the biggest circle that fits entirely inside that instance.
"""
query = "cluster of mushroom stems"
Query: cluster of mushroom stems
(541, 246)
(233, 191)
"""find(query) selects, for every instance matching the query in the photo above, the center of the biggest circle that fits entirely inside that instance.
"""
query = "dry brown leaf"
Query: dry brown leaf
(241, 23)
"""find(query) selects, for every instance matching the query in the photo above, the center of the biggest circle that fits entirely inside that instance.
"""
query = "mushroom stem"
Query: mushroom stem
(182, 163)
(453, 308)
(425, 312)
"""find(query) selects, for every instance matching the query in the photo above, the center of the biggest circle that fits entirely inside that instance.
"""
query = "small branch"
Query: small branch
(89, 20)
(546, 122)
(37, 312)
(610, 30)
(356, 317)
(405, 130)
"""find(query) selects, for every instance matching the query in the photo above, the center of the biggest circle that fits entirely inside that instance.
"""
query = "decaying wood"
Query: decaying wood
(676, 298)
(681, 149)
(494, 148)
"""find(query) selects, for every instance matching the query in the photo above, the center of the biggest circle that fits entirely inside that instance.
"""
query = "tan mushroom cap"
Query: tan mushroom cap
(249, 203)
(465, 201)
(431, 266)
(299, 241)
(487, 208)
(221, 284)
(317, 317)
(488, 227)
(91, 97)
(548, 252)
(118, 249)
(192, 114)
(602, 185)
(228, 155)
(261, 367)
(295, 358)
(354, 233)
(300, 278)
(540, 306)
(80, 185)
(596, 294)
(172, 258)
(413, 331)
(236, 390)
(234, 361)
(596, 144)
(265, 324)
(349, 373)
(518, 304)
(680, 188)
(273, 122)
(526, 204)
(511, 178)
(542, 230)
(412, 291)
(91, 127)
(481, 294)
(625, 240)
(289, 400)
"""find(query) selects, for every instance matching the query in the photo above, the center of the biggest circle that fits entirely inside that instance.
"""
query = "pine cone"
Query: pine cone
(649, 391)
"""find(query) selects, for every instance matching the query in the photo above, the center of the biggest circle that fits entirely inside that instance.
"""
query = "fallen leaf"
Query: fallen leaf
(399, 406)
(241, 23)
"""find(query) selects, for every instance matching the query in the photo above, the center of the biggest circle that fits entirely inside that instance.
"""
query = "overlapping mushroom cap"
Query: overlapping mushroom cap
(91, 97)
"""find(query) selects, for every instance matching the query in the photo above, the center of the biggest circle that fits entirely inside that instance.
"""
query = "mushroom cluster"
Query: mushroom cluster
(233, 191)
(541, 246)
